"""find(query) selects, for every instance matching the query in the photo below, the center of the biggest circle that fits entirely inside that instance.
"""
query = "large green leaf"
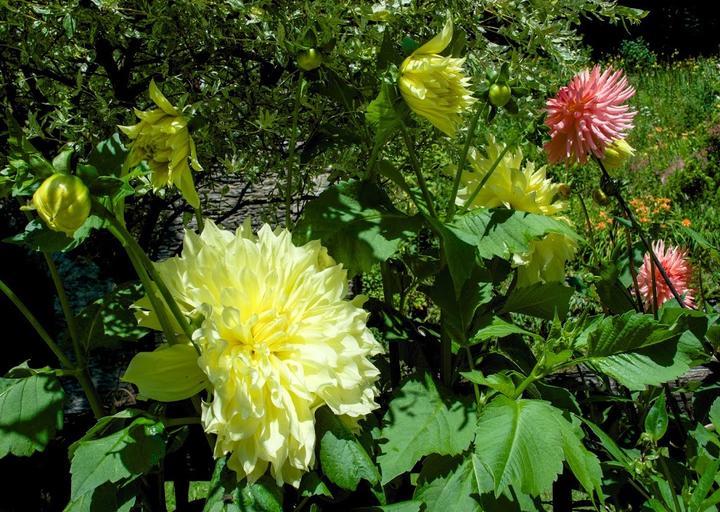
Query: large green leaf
(118, 457)
(381, 115)
(421, 421)
(108, 156)
(111, 319)
(358, 224)
(486, 234)
(344, 460)
(523, 444)
(543, 300)
(445, 481)
(638, 351)
(30, 411)
(228, 495)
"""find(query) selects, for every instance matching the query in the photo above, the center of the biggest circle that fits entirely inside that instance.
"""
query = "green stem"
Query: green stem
(415, 163)
(291, 154)
(668, 476)
(371, 167)
(528, 380)
(149, 278)
(199, 219)
(463, 159)
(476, 388)
(82, 374)
(590, 230)
(628, 212)
(469, 200)
(633, 272)
(64, 361)
(189, 420)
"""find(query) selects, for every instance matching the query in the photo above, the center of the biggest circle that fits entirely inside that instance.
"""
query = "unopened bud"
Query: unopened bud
(309, 60)
(63, 203)
(499, 94)
(600, 197)
(617, 153)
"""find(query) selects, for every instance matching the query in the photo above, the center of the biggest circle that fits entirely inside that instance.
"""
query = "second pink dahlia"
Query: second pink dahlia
(676, 265)
(588, 114)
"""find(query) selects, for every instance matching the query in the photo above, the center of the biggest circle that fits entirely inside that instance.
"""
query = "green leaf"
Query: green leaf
(447, 483)
(523, 443)
(543, 300)
(485, 234)
(421, 421)
(109, 156)
(111, 320)
(381, 115)
(715, 414)
(22, 151)
(656, 419)
(38, 237)
(104, 498)
(497, 381)
(499, 328)
(358, 224)
(312, 485)
(30, 412)
(228, 495)
(121, 456)
(343, 458)
(638, 351)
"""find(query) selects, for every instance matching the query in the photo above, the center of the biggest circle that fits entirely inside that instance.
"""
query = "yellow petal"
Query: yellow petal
(438, 43)
(161, 101)
(168, 374)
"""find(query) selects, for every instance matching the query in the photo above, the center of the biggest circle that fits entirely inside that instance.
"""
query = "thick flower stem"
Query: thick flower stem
(463, 160)
(39, 329)
(291, 154)
(633, 273)
(415, 163)
(496, 163)
(628, 212)
(148, 276)
(82, 374)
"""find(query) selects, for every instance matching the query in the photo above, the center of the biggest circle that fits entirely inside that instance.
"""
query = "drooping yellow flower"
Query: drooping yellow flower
(435, 86)
(162, 139)
(523, 188)
(617, 153)
(63, 203)
(277, 342)
(511, 184)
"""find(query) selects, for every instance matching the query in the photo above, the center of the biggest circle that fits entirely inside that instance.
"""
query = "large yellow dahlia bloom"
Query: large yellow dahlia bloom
(278, 341)
(523, 188)
(162, 139)
(434, 86)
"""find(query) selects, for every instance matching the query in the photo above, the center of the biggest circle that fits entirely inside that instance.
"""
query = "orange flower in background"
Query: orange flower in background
(686, 223)
(588, 114)
(676, 265)
(648, 207)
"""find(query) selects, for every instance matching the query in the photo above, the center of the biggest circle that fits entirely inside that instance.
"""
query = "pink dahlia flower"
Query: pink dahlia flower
(588, 114)
(676, 265)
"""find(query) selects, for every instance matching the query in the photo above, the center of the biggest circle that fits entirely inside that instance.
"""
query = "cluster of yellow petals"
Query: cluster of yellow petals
(523, 188)
(434, 86)
(162, 139)
(277, 341)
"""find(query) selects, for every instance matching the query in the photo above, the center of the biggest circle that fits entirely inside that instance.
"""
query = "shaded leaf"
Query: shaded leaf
(421, 421)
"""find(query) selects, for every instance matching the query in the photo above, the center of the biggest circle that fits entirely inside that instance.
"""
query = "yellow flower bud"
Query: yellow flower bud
(162, 139)
(617, 153)
(435, 87)
(309, 60)
(63, 203)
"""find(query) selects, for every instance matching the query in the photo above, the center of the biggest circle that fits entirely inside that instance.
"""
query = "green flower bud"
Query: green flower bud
(63, 203)
(500, 94)
(600, 198)
(617, 153)
(309, 60)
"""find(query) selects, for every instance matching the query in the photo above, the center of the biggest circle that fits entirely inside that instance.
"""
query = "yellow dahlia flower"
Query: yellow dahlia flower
(277, 342)
(511, 184)
(523, 188)
(434, 86)
(162, 139)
